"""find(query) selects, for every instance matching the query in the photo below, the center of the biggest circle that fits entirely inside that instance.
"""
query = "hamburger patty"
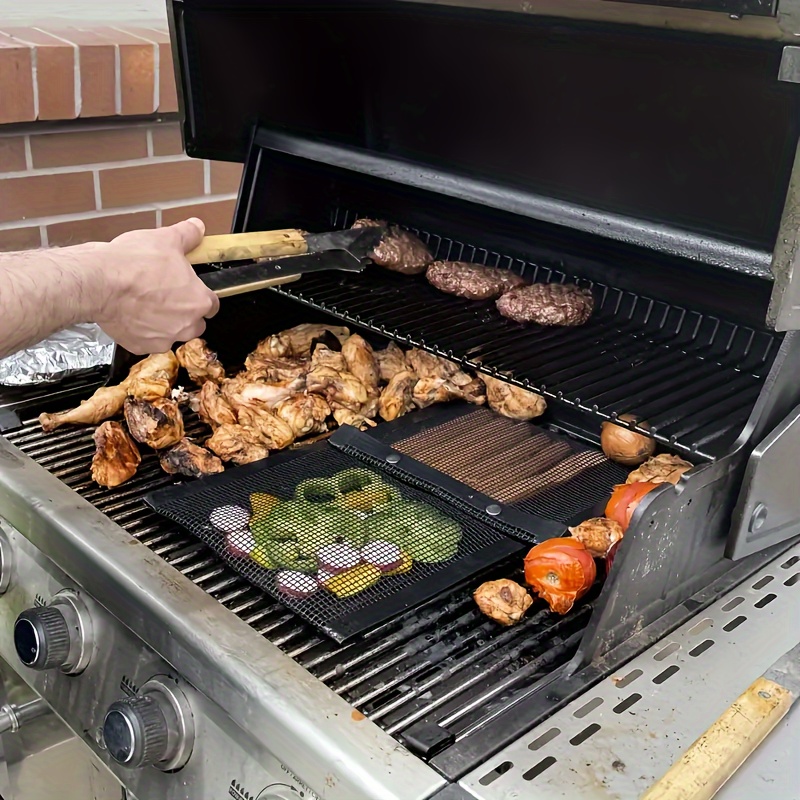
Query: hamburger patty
(547, 304)
(473, 281)
(399, 251)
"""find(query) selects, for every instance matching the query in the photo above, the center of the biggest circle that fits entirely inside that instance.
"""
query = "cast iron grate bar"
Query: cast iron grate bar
(636, 355)
(443, 666)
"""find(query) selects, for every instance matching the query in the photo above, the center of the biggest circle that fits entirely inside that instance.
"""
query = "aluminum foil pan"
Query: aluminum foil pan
(77, 349)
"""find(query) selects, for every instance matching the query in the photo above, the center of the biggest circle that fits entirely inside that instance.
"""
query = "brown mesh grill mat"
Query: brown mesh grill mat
(516, 462)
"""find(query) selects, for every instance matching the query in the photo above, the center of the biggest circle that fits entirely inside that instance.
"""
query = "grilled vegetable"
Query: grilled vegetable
(387, 557)
(598, 535)
(338, 557)
(261, 557)
(354, 480)
(624, 445)
(229, 519)
(560, 571)
(625, 499)
(663, 468)
(239, 544)
(406, 563)
(296, 584)
(317, 490)
(418, 529)
(347, 584)
(261, 504)
(370, 498)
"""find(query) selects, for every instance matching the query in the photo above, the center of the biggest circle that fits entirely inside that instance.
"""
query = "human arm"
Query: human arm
(139, 288)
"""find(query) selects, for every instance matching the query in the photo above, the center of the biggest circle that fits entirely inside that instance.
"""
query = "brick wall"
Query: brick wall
(89, 141)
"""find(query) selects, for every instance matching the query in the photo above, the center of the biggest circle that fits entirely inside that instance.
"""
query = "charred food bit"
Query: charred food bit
(153, 377)
(390, 361)
(624, 445)
(200, 362)
(511, 401)
(189, 459)
(116, 457)
(663, 468)
(547, 304)
(106, 402)
(360, 359)
(398, 397)
(472, 281)
(598, 535)
(157, 423)
(237, 444)
(503, 600)
(304, 413)
(213, 408)
(399, 250)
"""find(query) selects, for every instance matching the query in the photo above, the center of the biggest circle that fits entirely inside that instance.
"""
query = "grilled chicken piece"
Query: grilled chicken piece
(341, 389)
(438, 390)
(153, 377)
(398, 397)
(200, 362)
(663, 468)
(345, 417)
(259, 367)
(427, 365)
(504, 601)
(360, 359)
(598, 535)
(189, 459)
(270, 428)
(238, 444)
(296, 342)
(106, 402)
(116, 457)
(241, 391)
(511, 401)
(305, 413)
(390, 361)
(213, 408)
(157, 423)
(324, 356)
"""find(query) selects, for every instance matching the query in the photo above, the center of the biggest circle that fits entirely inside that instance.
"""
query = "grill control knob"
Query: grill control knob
(154, 728)
(55, 636)
(41, 638)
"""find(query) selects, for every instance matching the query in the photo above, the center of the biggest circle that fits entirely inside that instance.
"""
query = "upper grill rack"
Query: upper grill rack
(694, 377)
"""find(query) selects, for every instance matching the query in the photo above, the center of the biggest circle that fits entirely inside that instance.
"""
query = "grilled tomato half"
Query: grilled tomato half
(560, 571)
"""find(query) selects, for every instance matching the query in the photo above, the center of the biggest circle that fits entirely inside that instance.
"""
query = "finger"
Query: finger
(213, 305)
(190, 233)
(193, 331)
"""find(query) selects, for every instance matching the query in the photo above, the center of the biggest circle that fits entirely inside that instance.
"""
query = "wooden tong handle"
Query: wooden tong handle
(229, 291)
(245, 246)
(723, 748)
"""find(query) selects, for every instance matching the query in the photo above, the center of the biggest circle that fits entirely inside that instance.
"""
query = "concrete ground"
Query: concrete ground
(31, 12)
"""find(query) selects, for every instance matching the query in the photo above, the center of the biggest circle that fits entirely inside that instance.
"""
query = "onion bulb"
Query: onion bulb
(624, 445)
(560, 571)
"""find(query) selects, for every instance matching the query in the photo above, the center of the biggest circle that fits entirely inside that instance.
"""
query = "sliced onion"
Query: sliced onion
(338, 557)
(296, 584)
(240, 544)
(383, 555)
(230, 519)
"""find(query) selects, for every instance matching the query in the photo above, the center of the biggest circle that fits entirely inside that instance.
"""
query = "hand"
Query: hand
(152, 297)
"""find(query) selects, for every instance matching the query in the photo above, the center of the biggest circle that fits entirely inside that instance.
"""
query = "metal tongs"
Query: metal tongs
(291, 254)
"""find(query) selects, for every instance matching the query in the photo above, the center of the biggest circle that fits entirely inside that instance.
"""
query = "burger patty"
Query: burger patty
(399, 251)
(473, 281)
(547, 304)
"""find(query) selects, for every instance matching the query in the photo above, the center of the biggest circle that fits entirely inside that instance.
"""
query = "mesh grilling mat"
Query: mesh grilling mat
(514, 462)
(345, 547)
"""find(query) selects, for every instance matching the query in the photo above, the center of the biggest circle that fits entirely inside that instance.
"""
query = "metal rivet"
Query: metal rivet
(758, 517)
(493, 510)
(764, 695)
(393, 458)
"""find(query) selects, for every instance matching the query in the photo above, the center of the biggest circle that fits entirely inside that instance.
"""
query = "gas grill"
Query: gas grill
(650, 159)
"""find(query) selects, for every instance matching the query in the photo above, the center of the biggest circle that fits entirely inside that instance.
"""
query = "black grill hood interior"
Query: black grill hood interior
(689, 131)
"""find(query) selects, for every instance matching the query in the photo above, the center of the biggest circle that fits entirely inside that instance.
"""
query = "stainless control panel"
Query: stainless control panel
(160, 737)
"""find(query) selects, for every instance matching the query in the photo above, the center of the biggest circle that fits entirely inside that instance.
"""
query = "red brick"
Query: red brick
(225, 177)
(12, 153)
(167, 91)
(16, 81)
(172, 180)
(97, 228)
(137, 65)
(167, 140)
(217, 215)
(55, 72)
(34, 196)
(88, 147)
(14, 239)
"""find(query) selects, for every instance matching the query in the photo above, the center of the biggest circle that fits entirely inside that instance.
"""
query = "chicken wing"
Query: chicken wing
(213, 408)
(153, 377)
(438, 390)
(189, 459)
(345, 417)
(305, 413)
(341, 389)
(200, 362)
(398, 397)
(360, 360)
(237, 444)
(390, 361)
(324, 356)
(512, 401)
(106, 402)
(427, 365)
(241, 391)
(259, 367)
(116, 457)
(272, 431)
(297, 341)
(157, 423)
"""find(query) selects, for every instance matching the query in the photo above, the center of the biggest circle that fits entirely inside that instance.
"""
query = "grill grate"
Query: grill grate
(443, 666)
(694, 377)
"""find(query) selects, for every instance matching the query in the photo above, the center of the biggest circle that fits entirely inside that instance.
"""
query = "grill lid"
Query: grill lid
(691, 133)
